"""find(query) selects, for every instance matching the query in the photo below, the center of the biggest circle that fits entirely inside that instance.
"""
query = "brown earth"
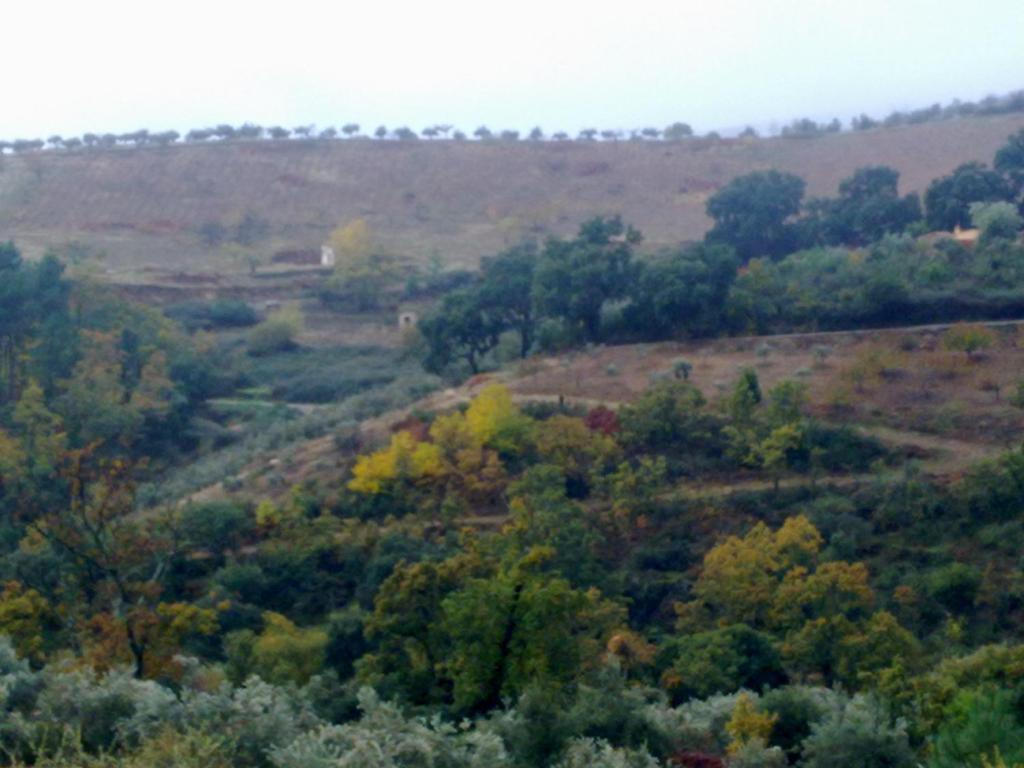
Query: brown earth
(144, 207)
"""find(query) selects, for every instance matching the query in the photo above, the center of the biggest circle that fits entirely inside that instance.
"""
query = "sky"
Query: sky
(120, 65)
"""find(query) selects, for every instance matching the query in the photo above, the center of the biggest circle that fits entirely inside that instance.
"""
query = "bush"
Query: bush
(282, 653)
(216, 525)
(969, 339)
(590, 753)
(222, 313)
(383, 738)
(719, 661)
(255, 718)
(858, 733)
(324, 375)
(610, 709)
(104, 710)
(842, 448)
(982, 724)
(955, 587)
(670, 416)
(797, 710)
(275, 334)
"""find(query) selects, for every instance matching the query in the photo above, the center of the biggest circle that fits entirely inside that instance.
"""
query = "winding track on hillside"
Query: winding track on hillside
(941, 456)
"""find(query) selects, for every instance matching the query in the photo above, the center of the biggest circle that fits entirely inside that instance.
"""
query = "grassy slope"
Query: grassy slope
(463, 200)
(930, 404)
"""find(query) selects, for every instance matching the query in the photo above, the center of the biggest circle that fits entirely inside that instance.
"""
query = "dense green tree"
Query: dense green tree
(980, 725)
(868, 208)
(677, 131)
(522, 629)
(1010, 161)
(507, 291)
(463, 327)
(997, 221)
(34, 306)
(858, 734)
(948, 199)
(719, 661)
(670, 416)
(574, 279)
(682, 291)
(411, 644)
(753, 214)
(15, 317)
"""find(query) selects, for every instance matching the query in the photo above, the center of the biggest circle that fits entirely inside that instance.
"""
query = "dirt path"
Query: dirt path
(946, 454)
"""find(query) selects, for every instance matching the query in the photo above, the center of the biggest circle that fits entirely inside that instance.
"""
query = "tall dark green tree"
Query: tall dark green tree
(55, 346)
(948, 199)
(683, 291)
(868, 207)
(1010, 161)
(33, 307)
(575, 278)
(461, 328)
(754, 214)
(507, 290)
(15, 318)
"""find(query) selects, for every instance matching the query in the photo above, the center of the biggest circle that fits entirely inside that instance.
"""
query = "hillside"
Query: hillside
(925, 402)
(144, 208)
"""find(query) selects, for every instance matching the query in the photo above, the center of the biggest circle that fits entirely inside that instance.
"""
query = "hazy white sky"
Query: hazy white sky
(118, 65)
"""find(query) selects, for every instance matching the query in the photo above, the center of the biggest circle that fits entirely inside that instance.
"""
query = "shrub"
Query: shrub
(282, 653)
(222, 313)
(669, 416)
(797, 709)
(590, 753)
(275, 334)
(969, 339)
(383, 738)
(982, 723)
(955, 587)
(104, 710)
(611, 709)
(719, 661)
(858, 733)
(216, 525)
(255, 718)
(602, 419)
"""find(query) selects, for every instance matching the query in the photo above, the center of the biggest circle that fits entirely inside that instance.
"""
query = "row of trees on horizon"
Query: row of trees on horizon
(677, 131)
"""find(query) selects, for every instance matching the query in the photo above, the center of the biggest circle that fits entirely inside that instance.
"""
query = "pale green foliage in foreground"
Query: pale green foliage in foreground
(591, 753)
(383, 738)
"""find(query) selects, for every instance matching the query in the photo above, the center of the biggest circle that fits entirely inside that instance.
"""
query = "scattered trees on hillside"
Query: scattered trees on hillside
(677, 131)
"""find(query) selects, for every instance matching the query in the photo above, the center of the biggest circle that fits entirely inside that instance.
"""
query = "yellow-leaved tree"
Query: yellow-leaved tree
(404, 460)
(747, 726)
(822, 612)
(462, 454)
(496, 421)
(27, 618)
(361, 271)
